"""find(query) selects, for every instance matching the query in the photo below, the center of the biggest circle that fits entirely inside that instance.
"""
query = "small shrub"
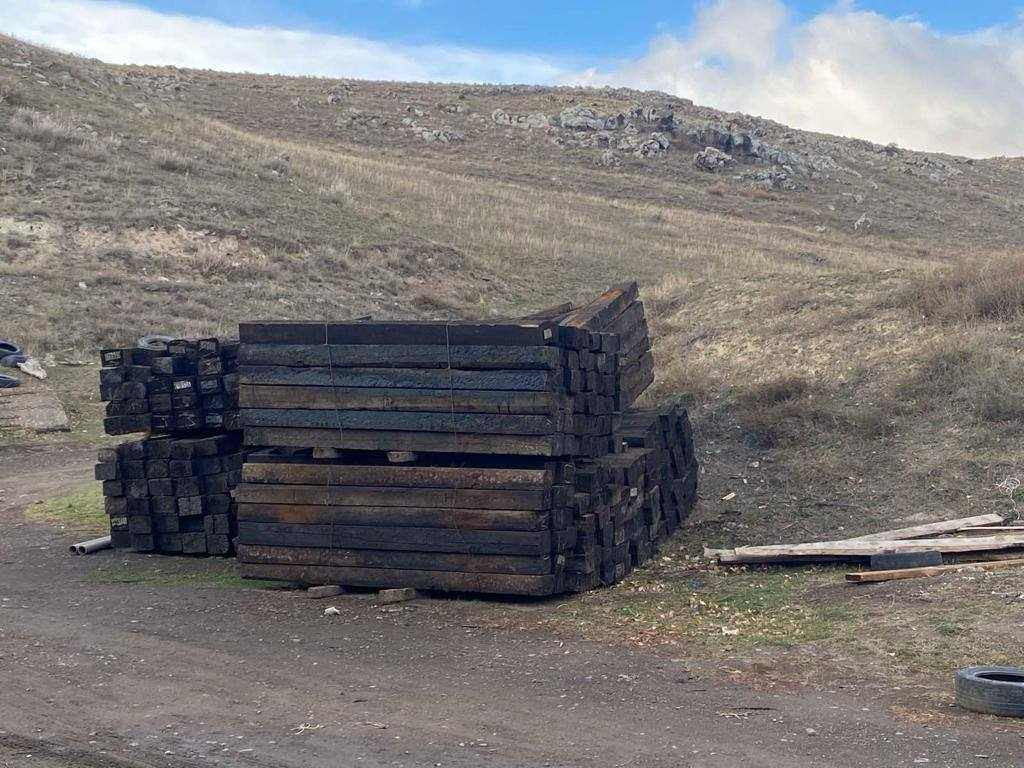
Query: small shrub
(780, 390)
(169, 160)
(971, 291)
(43, 128)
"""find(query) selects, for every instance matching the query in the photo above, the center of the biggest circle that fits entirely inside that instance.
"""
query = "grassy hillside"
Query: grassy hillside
(841, 373)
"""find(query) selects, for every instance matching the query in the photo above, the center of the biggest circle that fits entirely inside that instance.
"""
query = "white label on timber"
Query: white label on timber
(633, 492)
(183, 384)
(547, 333)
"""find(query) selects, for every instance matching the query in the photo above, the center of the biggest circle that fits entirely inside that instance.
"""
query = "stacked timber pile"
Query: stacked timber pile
(173, 387)
(484, 457)
(456, 523)
(627, 502)
(512, 389)
(171, 494)
(170, 491)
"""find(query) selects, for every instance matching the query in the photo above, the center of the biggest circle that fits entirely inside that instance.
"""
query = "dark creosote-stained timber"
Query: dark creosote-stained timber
(503, 457)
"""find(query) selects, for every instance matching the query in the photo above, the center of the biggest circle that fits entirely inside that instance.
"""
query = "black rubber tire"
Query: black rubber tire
(154, 342)
(8, 348)
(7, 382)
(991, 690)
(11, 361)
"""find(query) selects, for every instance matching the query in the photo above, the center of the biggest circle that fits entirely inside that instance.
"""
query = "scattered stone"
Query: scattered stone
(334, 97)
(609, 159)
(580, 118)
(331, 611)
(862, 223)
(712, 160)
(532, 120)
(327, 590)
(389, 596)
(443, 135)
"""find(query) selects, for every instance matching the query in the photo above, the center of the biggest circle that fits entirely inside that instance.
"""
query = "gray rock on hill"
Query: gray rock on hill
(712, 159)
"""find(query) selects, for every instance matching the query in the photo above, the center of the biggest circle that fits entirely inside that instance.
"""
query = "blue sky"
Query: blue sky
(571, 28)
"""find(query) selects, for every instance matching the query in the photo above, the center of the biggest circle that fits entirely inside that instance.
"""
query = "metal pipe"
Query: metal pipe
(90, 546)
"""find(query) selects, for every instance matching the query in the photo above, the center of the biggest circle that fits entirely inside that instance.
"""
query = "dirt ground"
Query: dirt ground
(132, 660)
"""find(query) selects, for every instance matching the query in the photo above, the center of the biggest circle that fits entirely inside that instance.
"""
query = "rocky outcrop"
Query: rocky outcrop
(533, 120)
(580, 118)
(712, 159)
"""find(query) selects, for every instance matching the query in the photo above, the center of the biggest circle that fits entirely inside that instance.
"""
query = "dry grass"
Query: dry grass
(170, 160)
(972, 289)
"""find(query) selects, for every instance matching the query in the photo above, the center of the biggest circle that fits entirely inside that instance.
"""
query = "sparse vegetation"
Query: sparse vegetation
(971, 290)
(80, 510)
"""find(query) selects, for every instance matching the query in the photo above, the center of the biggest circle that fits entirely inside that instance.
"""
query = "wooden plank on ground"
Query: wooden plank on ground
(935, 570)
(399, 476)
(418, 561)
(401, 356)
(411, 517)
(839, 549)
(487, 583)
(931, 529)
(439, 442)
(377, 496)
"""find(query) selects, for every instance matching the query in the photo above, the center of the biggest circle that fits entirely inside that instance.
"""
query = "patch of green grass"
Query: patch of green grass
(219, 574)
(733, 608)
(82, 509)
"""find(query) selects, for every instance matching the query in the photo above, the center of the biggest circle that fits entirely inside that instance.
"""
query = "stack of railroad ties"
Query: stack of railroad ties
(170, 491)
(501, 458)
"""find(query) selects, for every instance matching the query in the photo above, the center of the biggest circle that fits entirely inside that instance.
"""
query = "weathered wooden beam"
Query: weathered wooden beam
(419, 421)
(410, 517)
(487, 583)
(402, 378)
(387, 399)
(401, 356)
(370, 496)
(439, 442)
(420, 561)
(397, 476)
(934, 570)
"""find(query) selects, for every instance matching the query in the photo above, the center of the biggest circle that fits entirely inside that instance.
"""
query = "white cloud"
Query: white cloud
(847, 72)
(844, 71)
(120, 33)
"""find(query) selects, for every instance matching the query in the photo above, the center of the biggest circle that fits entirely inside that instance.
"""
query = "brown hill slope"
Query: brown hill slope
(843, 374)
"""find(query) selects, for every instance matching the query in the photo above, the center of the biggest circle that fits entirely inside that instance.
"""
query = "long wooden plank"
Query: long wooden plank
(370, 496)
(932, 570)
(486, 583)
(397, 538)
(439, 442)
(410, 517)
(476, 423)
(412, 332)
(401, 378)
(867, 548)
(909, 532)
(419, 561)
(931, 529)
(399, 476)
(373, 399)
(401, 356)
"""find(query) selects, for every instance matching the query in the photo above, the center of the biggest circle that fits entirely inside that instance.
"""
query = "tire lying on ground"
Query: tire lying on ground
(154, 342)
(7, 382)
(991, 690)
(8, 348)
